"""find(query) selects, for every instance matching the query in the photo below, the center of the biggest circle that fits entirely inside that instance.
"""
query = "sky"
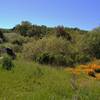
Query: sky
(84, 14)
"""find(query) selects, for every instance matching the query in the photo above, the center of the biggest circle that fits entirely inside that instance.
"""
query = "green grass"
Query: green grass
(31, 81)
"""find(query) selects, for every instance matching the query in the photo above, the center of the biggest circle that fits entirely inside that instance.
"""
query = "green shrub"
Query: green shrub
(15, 38)
(82, 58)
(61, 32)
(51, 45)
(7, 63)
(62, 60)
(17, 48)
(69, 61)
(45, 58)
(92, 43)
(59, 60)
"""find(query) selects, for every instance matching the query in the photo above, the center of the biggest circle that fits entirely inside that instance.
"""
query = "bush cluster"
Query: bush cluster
(60, 45)
(55, 51)
(60, 60)
(7, 63)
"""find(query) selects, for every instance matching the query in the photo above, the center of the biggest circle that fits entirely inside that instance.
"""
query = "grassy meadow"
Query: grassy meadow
(31, 81)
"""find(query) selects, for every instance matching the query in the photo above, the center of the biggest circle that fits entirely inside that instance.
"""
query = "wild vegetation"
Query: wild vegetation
(55, 46)
(33, 59)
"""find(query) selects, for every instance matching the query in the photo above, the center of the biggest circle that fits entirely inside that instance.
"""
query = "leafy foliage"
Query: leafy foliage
(7, 63)
(59, 45)
(93, 43)
(27, 29)
(62, 32)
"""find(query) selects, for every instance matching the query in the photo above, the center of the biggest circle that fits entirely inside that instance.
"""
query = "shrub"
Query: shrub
(45, 58)
(82, 58)
(15, 38)
(61, 32)
(17, 48)
(7, 63)
(58, 59)
(27, 29)
(51, 45)
(69, 61)
(63, 60)
(56, 50)
(23, 27)
(93, 43)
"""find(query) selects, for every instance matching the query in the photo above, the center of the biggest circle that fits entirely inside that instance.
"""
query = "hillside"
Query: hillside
(49, 63)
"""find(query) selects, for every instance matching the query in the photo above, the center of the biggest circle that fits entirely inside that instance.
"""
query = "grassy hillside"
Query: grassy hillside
(31, 81)
(43, 63)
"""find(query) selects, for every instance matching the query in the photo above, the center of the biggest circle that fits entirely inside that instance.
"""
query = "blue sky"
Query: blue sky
(84, 14)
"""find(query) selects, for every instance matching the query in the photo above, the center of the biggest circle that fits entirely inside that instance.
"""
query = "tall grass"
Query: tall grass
(31, 81)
